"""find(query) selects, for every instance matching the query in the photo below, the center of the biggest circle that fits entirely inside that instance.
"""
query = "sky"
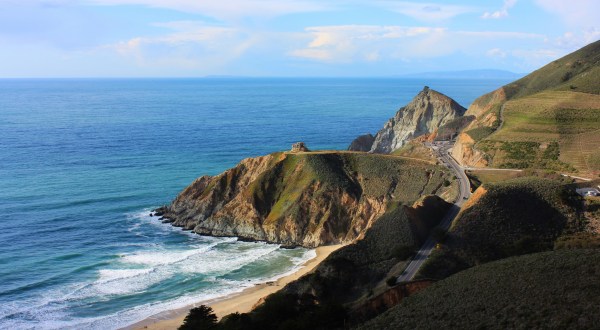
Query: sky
(287, 38)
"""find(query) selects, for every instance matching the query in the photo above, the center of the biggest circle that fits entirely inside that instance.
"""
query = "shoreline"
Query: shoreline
(241, 302)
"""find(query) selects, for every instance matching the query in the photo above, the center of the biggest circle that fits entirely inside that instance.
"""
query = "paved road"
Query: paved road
(442, 153)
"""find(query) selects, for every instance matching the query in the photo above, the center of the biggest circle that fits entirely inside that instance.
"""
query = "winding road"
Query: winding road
(442, 153)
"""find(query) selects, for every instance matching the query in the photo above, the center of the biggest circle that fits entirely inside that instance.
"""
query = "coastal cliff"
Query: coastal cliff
(427, 112)
(306, 199)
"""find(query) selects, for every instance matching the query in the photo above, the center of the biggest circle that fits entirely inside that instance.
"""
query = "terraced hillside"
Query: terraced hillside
(552, 129)
(549, 119)
(550, 290)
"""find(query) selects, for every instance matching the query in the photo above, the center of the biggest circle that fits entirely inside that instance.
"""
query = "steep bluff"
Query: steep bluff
(306, 199)
(486, 111)
(428, 111)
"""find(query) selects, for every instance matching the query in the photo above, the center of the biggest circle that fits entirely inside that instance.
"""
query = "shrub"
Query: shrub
(480, 133)
(439, 234)
(557, 289)
(392, 281)
(552, 151)
(201, 317)
(403, 252)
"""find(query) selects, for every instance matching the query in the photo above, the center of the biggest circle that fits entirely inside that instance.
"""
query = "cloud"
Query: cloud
(496, 52)
(364, 43)
(503, 12)
(191, 44)
(368, 43)
(225, 10)
(575, 13)
(427, 12)
(502, 35)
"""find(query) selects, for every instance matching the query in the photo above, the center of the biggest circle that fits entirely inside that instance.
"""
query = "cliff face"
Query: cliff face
(465, 153)
(306, 199)
(486, 113)
(423, 115)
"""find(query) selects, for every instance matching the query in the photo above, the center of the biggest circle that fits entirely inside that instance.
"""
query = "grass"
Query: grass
(487, 176)
(577, 71)
(513, 217)
(555, 290)
(558, 103)
(479, 177)
(480, 133)
(415, 150)
(565, 122)
(276, 192)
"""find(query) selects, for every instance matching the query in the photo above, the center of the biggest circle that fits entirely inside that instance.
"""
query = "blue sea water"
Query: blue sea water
(83, 161)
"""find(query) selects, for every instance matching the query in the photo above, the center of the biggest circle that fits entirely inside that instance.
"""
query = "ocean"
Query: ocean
(83, 161)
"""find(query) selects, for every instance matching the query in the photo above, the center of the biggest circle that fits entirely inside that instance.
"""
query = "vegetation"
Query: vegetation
(322, 299)
(514, 217)
(276, 192)
(414, 149)
(201, 317)
(582, 240)
(525, 155)
(547, 105)
(556, 290)
(479, 177)
(575, 71)
(480, 133)
(453, 127)
(354, 271)
(279, 311)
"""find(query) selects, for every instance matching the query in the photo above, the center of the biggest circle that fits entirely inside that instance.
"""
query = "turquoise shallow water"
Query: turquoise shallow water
(83, 161)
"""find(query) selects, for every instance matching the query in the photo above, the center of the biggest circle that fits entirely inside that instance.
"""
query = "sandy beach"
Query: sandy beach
(241, 302)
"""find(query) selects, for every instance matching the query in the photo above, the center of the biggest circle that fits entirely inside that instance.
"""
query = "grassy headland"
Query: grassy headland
(554, 290)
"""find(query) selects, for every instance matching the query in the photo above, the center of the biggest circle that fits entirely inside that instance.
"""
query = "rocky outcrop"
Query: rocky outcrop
(485, 110)
(423, 115)
(300, 198)
(465, 153)
(483, 104)
(362, 143)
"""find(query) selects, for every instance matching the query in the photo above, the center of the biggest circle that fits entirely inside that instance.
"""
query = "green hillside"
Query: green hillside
(578, 71)
(514, 217)
(548, 119)
(278, 190)
(551, 290)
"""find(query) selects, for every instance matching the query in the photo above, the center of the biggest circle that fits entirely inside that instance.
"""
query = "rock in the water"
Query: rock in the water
(428, 111)
(160, 211)
(362, 143)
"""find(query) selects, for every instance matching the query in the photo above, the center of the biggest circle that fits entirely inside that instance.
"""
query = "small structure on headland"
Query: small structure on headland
(299, 147)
